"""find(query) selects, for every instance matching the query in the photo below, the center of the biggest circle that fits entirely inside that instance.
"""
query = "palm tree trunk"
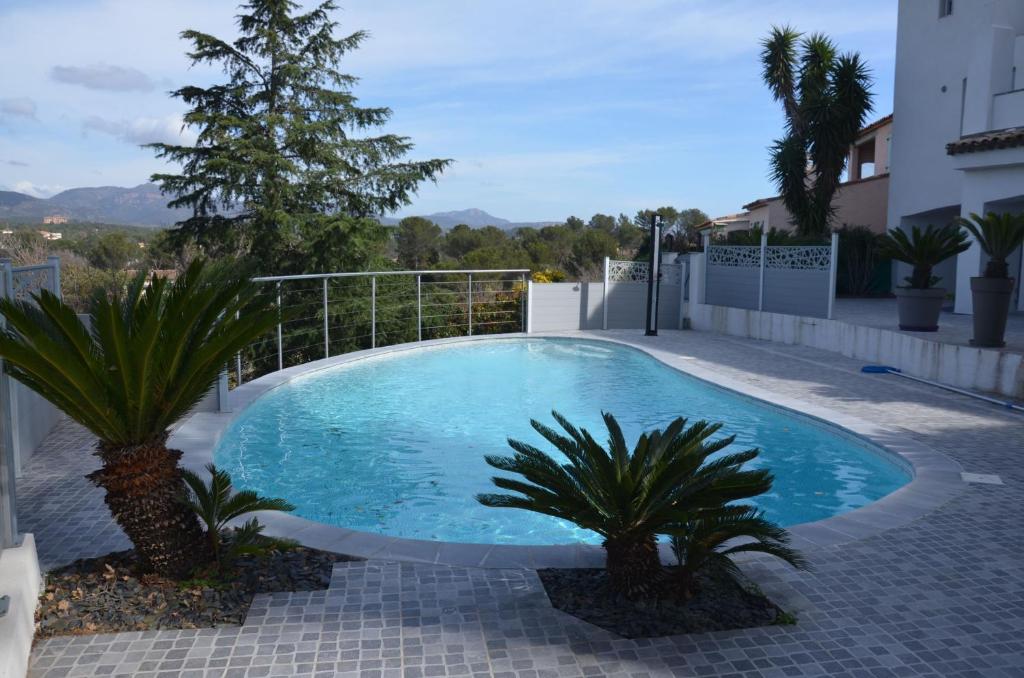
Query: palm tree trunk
(634, 568)
(144, 493)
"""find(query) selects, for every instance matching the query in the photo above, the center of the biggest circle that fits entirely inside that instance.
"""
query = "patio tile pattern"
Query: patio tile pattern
(941, 596)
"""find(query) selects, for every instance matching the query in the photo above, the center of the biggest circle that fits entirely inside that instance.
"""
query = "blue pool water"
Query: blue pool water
(395, 444)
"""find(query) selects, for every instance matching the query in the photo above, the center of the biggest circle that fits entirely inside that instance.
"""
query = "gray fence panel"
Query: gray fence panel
(627, 304)
(732, 286)
(668, 307)
(595, 306)
(796, 292)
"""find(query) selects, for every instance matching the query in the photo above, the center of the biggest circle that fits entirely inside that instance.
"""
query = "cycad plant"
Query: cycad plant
(998, 235)
(217, 504)
(712, 536)
(146, 358)
(923, 249)
(627, 497)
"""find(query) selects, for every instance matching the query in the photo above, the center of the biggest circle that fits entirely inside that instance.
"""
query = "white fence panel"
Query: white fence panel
(558, 307)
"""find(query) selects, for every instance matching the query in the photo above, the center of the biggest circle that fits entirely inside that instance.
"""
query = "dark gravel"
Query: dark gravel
(721, 603)
(107, 595)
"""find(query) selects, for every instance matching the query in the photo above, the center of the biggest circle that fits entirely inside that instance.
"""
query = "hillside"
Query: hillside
(141, 205)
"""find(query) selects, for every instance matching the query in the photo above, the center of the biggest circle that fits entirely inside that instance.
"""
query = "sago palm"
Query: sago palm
(998, 235)
(147, 357)
(627, 497)
(711, 537)
(217, 504)
(923, 249)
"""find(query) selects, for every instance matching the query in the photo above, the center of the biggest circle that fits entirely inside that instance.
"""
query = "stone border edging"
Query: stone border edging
(936, 477)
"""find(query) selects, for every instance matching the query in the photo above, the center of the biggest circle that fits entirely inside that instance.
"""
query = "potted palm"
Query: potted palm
(151, 354)
(998, 235)
(920, 302)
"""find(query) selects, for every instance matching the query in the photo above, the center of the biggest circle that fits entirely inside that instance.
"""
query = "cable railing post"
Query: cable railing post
(373, 312)
(469, 306)
(522, 302)
(280, 345)
(238, 362)
(419, 307)
(327, 332)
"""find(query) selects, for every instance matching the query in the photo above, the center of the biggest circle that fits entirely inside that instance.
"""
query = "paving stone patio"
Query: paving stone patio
(942, 596)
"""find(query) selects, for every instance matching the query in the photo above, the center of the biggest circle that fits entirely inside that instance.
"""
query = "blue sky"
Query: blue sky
(548, 107)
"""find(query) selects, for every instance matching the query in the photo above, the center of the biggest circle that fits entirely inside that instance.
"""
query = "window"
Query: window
(945, 8)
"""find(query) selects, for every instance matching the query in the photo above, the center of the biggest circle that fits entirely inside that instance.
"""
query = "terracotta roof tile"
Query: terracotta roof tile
(987, 141)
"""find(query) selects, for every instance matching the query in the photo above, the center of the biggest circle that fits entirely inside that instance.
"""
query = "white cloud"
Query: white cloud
(167, 129)
(103, 77)
(36, 190)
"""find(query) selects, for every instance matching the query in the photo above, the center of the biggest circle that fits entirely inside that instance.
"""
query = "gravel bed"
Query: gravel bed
(107, 595)
(721, 603)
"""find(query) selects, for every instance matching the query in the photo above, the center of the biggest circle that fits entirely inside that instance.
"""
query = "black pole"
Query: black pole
(653, 282)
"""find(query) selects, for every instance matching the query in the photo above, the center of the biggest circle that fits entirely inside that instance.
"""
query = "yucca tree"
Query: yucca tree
(998, 235)
(712, 536)
(147, 357)
(825, 97)
(217, 504)
(923, 250)
(627, 497)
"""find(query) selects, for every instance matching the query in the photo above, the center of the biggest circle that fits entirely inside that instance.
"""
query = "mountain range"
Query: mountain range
(144, 205)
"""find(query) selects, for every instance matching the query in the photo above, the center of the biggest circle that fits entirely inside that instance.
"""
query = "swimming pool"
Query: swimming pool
(394, 444)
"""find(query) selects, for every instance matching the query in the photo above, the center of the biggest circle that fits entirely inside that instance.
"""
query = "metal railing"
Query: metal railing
(333, 313)
(19, 282)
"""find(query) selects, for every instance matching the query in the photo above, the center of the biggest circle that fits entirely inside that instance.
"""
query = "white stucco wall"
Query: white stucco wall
(950, 73)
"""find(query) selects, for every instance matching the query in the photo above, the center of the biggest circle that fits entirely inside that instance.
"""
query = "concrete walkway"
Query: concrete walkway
(941, 596)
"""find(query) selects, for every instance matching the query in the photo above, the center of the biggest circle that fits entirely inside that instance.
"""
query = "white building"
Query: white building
(958, 130)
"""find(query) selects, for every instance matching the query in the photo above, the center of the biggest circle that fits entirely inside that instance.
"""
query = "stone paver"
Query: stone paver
(941, 596)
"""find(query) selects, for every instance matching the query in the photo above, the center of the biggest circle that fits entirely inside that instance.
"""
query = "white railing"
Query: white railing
(341, 312)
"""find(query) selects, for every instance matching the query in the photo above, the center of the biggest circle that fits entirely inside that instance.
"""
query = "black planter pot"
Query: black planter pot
(991, 299)
(919, 309)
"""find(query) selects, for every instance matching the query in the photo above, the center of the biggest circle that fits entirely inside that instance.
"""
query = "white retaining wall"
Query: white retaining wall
(967, 367)
(20, 579)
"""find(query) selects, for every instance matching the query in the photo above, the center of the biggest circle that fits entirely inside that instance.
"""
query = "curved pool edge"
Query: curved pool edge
(935, 477)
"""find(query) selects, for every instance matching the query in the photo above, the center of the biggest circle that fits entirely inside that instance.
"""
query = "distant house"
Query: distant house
(862, 200)
(49, 235)
(55, 219)
(958, 141)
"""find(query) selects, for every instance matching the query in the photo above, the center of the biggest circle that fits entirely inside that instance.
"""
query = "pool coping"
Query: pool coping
(935, 477)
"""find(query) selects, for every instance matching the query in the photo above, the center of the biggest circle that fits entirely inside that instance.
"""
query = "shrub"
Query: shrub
(858, 261)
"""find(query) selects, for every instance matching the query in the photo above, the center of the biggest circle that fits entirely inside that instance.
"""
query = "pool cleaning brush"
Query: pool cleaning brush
(885, 369)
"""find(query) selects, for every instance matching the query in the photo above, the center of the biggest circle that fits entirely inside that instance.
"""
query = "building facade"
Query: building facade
(958, 131)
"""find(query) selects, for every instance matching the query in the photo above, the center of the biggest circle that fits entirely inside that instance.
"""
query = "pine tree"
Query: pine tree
(277, 161)
(826, 97)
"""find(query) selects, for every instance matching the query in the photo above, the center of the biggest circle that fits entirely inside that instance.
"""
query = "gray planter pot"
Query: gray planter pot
(919, 309)
(991, 297)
